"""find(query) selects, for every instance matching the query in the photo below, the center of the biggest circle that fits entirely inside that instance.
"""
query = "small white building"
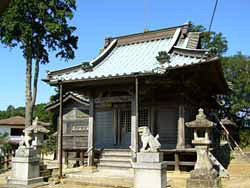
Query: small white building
(14, 127)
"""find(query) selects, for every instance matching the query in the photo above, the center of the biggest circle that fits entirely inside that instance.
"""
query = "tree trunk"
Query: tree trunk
(34, 93)
(28, 114)
(30, 96)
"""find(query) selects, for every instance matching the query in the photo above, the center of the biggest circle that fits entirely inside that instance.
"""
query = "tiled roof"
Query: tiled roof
(124, 59)
(18, 120)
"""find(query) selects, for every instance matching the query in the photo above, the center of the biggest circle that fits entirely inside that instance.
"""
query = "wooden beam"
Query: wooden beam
(113, 99)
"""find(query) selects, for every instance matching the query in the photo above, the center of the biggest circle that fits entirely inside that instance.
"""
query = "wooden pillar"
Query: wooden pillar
(78, 158)
(60, 132)
(152, 114)
(115, 127)
(91, 134)
(81, 158)
(134, 122)
(152, 120)
(177, 162)
(181, 128)
(66, 153)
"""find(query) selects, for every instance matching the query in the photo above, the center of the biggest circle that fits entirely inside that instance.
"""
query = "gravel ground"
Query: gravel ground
(239, 177)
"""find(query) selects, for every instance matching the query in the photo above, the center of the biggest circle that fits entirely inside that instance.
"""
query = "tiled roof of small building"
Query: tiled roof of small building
(18, 120)
(124, 56)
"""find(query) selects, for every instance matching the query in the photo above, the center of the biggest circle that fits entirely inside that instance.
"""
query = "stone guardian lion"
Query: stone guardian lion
(149, 142)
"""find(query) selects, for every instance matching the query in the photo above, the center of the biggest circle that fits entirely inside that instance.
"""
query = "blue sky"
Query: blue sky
(97, 19)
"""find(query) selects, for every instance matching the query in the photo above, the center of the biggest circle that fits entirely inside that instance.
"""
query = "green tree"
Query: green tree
(37, 27)
(5, 147)
(20, 111)
(237, 72)
(50, 145)
(42, 114)
(3, 115)
(215, 42)
(11, 110)
(235, 105)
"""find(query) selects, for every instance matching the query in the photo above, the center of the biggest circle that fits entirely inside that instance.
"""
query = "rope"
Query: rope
(90, 149)
(229, 136)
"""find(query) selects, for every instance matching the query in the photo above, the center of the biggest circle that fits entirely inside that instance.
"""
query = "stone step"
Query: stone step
(103, 168)
(122, 164)
(116, 158)
(111, 181)
(118, 152)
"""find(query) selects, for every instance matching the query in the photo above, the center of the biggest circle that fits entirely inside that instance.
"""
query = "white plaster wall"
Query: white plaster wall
(5, 130)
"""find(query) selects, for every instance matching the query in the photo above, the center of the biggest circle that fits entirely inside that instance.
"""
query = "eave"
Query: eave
(66, 98)
(119, 79)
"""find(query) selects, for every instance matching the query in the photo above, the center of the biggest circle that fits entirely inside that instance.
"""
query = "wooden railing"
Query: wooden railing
(5, 162)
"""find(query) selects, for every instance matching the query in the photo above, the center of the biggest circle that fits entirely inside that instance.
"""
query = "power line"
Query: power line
(211, 21)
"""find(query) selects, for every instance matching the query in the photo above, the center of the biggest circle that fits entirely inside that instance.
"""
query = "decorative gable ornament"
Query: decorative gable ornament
(163, 57)
(159, 70)
(87, 67)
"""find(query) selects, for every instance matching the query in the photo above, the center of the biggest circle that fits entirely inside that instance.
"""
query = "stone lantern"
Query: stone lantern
(26, 163)
(38, 135)
(203, 174)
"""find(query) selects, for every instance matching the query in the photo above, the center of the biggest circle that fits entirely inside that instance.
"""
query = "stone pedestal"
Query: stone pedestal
(203, 175)
(202, 178)
(25, 168)
(150, 171)
(203, 160)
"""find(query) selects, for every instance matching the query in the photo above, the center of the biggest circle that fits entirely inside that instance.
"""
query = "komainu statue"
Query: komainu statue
(149, 142)
(26, 139)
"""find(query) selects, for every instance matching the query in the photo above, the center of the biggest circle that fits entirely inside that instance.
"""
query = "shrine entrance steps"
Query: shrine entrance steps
(115, 159)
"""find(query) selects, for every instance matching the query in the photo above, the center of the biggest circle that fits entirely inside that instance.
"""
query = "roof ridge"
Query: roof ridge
(153, 31)
(148, 36)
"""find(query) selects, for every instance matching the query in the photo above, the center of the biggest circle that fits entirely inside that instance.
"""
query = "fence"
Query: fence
(5, 161)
